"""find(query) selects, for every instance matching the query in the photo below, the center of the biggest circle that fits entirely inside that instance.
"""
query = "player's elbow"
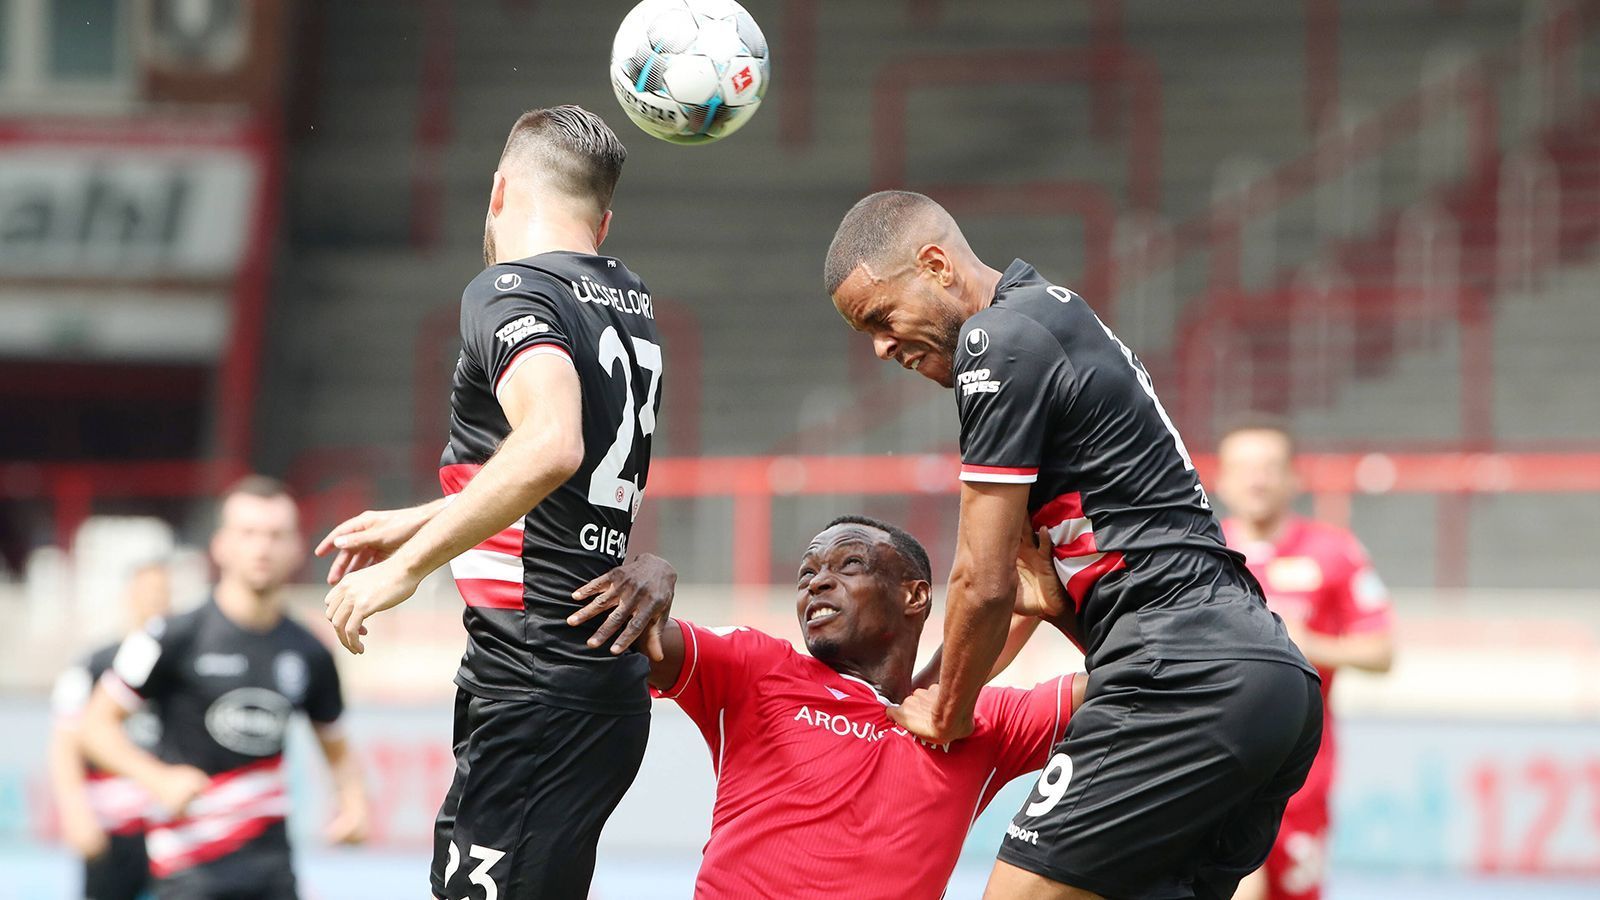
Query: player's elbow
(566, 457)
(1382, 657)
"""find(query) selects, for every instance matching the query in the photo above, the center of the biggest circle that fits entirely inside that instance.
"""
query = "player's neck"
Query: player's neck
(891, 674)
(248, 608)
(1263, 530)
(544, 236)
(984, 284)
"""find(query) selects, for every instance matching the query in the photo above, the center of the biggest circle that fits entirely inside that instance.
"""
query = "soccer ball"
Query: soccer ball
(689, 71)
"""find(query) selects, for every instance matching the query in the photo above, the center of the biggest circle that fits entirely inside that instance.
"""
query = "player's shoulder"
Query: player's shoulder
(1328, 541)
(100, 659)
(518, 279)
(1025, 318)
(181, 628)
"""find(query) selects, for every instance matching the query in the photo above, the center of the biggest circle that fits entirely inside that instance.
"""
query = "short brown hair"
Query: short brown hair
(873, 228)
(571, 148)
(1259, 421)
(263, 486)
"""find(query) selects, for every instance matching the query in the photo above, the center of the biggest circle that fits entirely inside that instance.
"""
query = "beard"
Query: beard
(489, 257)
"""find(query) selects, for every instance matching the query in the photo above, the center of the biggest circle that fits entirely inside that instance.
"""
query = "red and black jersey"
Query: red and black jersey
(594, 313)
(225, 696)
(120, 805)
(1049, 396)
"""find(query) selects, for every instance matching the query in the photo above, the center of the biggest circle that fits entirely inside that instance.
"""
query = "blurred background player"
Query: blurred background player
(1318, 579)
(226, 679)
(103, 816)
(552, 408)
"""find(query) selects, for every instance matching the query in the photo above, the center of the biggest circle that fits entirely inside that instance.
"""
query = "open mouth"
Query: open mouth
(819, 612)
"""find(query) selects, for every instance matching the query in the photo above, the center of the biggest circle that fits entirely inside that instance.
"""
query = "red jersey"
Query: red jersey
(1318, 575)
(820, 794)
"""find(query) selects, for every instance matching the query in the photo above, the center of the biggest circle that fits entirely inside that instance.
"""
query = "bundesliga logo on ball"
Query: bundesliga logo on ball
(689, 71)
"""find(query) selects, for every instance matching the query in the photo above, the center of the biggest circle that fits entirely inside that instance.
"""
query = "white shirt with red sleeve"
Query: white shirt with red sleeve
(820, 794)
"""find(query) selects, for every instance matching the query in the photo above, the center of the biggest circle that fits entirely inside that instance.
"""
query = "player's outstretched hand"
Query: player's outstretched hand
(371, 537)
(918, 715)
(1039, 593)
(365, 593)
(177, 787)
(639, 595)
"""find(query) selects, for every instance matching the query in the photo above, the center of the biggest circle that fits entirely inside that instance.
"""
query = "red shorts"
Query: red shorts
(1298, 862)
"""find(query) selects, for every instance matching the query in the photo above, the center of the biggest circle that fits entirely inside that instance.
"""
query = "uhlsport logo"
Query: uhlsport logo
(1026, 835)
(977, 341)
(507, 282)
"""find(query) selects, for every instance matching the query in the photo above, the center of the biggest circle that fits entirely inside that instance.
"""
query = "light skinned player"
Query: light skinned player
(1319, 579)
(553, 405)
(1200, 718)
(226, 679)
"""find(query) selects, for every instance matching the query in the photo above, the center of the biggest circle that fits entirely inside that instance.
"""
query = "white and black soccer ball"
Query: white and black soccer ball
(689, 71)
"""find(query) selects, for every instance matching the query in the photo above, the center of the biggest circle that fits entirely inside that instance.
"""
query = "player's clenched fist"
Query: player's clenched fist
(917, 714)
(365, 593)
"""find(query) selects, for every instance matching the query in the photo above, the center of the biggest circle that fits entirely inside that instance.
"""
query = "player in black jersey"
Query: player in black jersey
(226, 679)
(103, 816)
(1201, 718)
(552, 409)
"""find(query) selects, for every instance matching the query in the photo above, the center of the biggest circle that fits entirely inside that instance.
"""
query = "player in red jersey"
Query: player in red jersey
(1318, 579)
(819, 794)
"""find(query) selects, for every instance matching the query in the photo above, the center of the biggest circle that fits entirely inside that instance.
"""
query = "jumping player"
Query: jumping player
(226, 679)
(1200, 717)
(553, 405)
(103, 816)
(1319, 580)
(819, 793)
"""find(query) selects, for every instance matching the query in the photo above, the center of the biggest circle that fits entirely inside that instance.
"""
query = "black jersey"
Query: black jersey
(1049, 396)
(518, 584)
(226, 695)
(119, 804)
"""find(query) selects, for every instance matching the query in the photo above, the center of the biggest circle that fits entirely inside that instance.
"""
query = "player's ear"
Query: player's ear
(919, 597)
(932, 259)
(604, 229)
(497, 194)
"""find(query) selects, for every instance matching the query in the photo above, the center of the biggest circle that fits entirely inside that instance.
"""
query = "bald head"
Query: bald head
(884, 231)
(566, 150)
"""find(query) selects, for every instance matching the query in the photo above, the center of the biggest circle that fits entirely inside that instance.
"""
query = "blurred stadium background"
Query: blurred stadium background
(233, 234)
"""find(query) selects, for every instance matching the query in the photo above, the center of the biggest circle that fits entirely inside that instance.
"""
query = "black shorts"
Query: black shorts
(122, 872)
(1172, 778)
(231, 882)
(534, 785)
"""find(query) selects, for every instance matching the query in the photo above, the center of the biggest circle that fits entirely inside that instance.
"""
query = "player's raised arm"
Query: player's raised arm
(982, 593)
(542, 402)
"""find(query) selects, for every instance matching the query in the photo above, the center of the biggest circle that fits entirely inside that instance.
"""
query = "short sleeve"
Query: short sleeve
(1030, 721)
(324, 702)
(718, 664)
(512, 315)
(145, 667)
(1364, 597)
(70, 694)
(1007, 373)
